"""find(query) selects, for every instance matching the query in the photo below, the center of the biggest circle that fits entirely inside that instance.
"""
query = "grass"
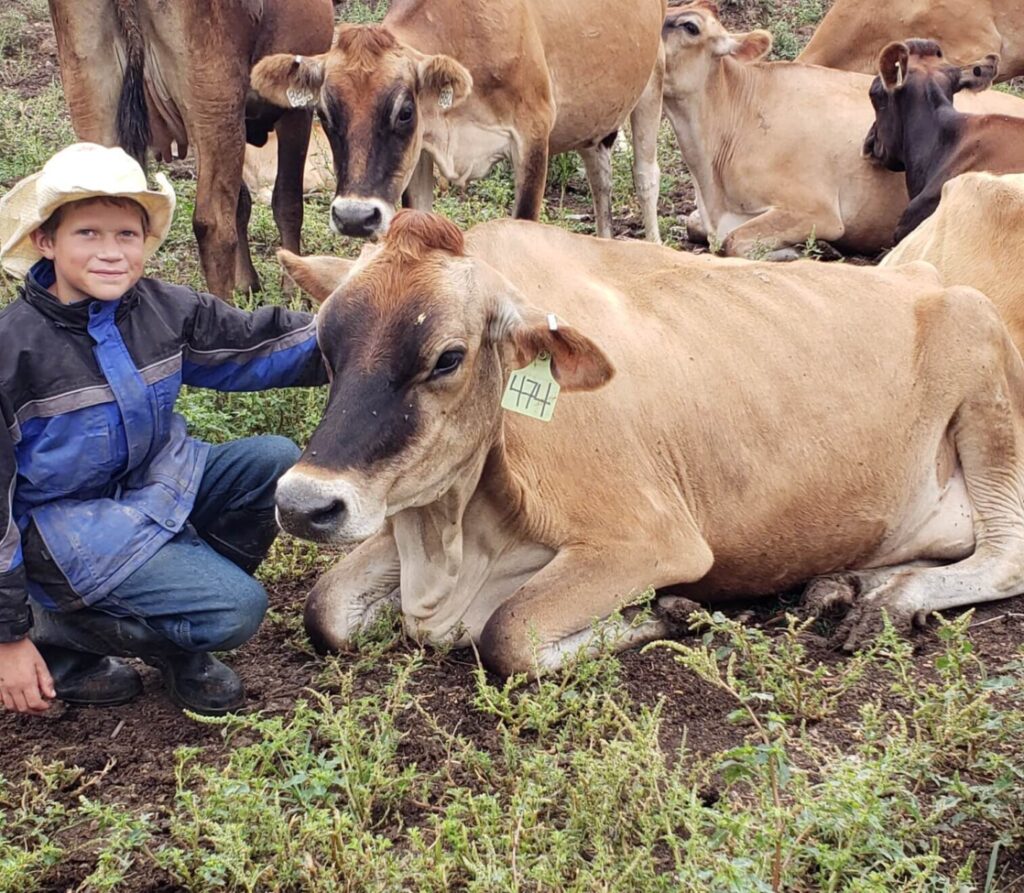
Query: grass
(562, 785)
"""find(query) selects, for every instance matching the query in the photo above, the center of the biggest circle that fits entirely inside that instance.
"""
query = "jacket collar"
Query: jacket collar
(75, 317)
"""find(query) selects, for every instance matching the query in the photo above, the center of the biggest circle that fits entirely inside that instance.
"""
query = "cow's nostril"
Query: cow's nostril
(328, 516)
(356, 218)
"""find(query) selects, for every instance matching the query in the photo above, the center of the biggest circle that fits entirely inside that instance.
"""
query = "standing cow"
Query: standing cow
(719, 433)
(152, 74)
(854, 32)
(463, 83)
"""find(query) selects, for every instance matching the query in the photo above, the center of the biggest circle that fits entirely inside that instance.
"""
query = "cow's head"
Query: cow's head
(418, 337)
(696, 40)
(371, 93)
(914, 82)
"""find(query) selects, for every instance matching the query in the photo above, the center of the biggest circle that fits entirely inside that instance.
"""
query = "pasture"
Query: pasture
(748, 756)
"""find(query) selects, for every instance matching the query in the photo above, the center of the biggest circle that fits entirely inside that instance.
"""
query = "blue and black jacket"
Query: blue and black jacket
(97, 471)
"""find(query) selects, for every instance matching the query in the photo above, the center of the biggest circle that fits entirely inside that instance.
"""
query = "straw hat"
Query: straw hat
(83, 170)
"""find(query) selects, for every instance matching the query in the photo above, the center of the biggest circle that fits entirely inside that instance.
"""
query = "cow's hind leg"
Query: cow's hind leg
(354, 593)
(292, 129)
(644, 121)
(598, 162)
(989, 439)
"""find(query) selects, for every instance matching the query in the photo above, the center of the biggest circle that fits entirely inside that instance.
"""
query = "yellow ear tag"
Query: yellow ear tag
(532, 391)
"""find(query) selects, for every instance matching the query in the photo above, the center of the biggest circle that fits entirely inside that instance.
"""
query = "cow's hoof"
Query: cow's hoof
(830, 595)
(676, 611)
(865, 620)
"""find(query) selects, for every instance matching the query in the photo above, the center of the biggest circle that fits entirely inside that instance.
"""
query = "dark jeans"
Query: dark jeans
(189, 592)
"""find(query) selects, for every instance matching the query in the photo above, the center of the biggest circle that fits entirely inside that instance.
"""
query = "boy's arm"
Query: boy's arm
(15, 617)
(236, 350)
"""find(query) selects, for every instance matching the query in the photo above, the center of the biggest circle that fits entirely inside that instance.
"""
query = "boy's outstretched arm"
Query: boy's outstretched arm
(25, 683)
(237, 350)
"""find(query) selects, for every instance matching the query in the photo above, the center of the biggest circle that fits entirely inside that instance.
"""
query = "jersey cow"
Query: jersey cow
(854, 32)
(260, 169)
(975, 238)
(774, 147)
(918, 130)
(718, 434)
(463, 84)
(147, 73)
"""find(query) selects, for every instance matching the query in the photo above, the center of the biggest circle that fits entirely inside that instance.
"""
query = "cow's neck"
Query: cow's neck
(930, 138)
(704, 123)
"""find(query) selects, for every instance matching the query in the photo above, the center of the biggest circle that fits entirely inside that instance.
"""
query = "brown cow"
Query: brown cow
(260, 169)
(719, 433)
(854, 32)
(918, 130)
(462, 83)
(774, 147)
(147, 73)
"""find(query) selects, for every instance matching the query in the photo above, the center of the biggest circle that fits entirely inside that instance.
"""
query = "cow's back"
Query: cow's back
(803, 388)
(594, 58)
(976, 238)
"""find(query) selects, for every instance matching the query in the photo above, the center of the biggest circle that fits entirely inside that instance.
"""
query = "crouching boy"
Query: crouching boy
(120, 535)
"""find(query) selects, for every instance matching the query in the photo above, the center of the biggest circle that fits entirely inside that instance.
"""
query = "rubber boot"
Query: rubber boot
(89, 680)
(194, 680)
(243, 537)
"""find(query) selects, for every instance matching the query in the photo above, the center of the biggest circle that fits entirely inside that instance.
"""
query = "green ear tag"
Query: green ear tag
(532, 391)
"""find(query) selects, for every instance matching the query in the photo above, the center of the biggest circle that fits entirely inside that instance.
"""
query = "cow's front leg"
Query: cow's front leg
(781, 233)
(419, 194)
(566, 608)
(644, 121)
(353, 593)
(530, 160)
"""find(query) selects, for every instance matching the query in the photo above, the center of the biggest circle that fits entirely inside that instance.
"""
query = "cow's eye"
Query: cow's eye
(404, 115)
(691, 29)
(447, 363)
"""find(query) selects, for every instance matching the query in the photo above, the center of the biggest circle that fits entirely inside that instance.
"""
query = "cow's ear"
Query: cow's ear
(892, 65)
(289, 81)
(751, 47)
(442, 81)
(577, 363)
(318, 276)
(979, 75)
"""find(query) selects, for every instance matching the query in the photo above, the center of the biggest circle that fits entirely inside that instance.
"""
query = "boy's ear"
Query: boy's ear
(43, 243)
(318, 276)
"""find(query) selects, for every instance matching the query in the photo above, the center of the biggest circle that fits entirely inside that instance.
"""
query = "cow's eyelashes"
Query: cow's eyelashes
(691, 29)
(405, 114)
(447, 363)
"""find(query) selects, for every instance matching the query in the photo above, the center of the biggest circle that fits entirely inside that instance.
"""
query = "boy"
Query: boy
(131, 538)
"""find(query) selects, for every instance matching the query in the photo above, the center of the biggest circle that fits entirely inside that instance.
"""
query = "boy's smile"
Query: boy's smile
(97, 251)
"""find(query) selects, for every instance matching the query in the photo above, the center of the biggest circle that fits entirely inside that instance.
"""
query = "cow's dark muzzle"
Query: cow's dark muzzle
(309, 514)
(357, 219)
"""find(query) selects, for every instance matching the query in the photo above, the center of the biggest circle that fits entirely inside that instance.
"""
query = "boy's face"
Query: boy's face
(97, 251)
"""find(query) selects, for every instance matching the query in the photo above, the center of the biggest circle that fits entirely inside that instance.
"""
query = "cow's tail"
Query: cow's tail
(132, 114)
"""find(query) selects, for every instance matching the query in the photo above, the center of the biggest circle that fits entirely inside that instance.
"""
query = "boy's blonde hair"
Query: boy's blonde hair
(49, 226)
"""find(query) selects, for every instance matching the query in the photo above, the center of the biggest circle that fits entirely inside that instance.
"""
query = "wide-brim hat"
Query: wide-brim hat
(82, 170)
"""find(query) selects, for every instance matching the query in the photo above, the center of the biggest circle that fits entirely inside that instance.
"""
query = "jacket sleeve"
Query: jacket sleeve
(15, 616)
(237, 350)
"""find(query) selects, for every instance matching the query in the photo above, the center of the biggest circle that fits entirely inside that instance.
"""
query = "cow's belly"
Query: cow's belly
(467, 150)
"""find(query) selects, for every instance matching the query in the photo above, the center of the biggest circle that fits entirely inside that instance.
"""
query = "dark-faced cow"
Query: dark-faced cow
(774, 147)
(463, 83)
(151, 74)
(918, 130)
(718, 433)
(854, 32)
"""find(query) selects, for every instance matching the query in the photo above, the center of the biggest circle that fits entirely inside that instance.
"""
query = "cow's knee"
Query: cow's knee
(509, 646)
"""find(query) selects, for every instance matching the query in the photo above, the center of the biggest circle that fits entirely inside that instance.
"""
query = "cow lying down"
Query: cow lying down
(726, 428)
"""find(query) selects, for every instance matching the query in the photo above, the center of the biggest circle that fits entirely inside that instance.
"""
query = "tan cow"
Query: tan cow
(260, 169)
(152, 74)
(854, 32)
(725, 428)
(976, 238)
(463, 83)
(774, 148)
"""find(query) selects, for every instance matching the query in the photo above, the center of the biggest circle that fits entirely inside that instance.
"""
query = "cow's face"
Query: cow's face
(418, 338)
(371, 94)
(695, 40)
(913, 84)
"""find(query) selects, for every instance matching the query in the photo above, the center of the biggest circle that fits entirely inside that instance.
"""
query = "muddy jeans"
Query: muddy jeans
(197, 591)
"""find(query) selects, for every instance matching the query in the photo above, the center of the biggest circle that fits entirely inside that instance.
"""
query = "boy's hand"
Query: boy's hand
(25, 684)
